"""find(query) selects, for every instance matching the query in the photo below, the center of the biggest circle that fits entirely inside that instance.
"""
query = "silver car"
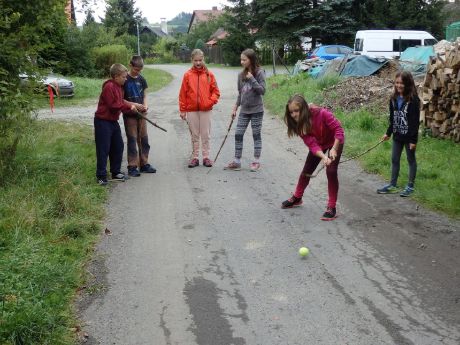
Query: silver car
(61, 87)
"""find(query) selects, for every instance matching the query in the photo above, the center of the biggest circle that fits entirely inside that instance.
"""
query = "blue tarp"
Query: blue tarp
(413, 59)
(419, 55)
(362, 66)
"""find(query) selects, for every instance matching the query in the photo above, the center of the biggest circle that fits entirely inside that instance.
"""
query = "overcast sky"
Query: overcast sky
(156, 9)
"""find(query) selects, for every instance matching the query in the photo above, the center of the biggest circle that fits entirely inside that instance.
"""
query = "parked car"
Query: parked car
(390, 43)
(61, 87)
(329, 52)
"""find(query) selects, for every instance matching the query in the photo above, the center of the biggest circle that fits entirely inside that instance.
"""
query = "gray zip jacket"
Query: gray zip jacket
(250, 92)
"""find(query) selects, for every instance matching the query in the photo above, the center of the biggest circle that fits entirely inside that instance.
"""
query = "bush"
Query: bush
(104, 57)
(164, 51)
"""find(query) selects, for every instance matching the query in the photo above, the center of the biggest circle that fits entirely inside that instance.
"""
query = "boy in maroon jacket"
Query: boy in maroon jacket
(109, 142)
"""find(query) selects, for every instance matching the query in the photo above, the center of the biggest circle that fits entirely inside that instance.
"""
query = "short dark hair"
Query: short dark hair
(137, 61)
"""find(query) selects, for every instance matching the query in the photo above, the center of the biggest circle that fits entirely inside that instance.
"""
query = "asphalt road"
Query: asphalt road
(211, 259)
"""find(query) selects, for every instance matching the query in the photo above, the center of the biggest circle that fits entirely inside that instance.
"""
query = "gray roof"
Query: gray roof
(154, 30)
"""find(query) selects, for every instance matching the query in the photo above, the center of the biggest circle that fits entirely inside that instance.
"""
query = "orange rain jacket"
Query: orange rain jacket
(199, 91)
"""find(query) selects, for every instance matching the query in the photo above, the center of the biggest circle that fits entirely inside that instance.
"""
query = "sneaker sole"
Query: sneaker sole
(286, 207)
(404, 195)
(116, 180)
(387, 192)
(328, 219)
(235, 169)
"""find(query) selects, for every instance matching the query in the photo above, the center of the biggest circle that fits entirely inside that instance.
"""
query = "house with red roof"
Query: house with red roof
(202, 16)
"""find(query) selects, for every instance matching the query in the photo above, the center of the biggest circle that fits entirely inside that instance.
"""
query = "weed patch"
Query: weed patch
(50, 214)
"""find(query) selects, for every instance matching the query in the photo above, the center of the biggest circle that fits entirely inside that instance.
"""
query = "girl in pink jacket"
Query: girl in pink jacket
(324, 136)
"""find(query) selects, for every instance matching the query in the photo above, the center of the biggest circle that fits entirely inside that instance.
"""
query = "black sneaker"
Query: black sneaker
(292, 202)
(120, 177)
(102, 181)
(132, 171)
(148, 169)
(330, 214)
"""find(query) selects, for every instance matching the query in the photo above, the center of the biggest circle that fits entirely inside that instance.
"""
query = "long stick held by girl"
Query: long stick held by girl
(322, 133)
(198, 94)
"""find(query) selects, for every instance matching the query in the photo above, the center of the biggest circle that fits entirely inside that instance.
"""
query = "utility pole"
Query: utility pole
(138, 45)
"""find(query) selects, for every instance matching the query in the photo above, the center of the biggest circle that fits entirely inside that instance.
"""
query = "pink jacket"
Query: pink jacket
(325, 129)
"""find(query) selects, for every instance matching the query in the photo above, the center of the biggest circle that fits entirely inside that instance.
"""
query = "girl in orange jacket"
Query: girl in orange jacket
(198, 94)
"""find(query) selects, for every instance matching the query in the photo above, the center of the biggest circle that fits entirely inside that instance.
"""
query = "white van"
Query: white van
(390, 43)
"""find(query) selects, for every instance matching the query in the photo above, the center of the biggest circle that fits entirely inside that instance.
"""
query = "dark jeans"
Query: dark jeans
(395, 162)
(109, 143)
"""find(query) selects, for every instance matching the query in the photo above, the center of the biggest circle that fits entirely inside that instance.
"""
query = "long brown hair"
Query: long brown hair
(254, 62)
(303, 126)
(410, 90)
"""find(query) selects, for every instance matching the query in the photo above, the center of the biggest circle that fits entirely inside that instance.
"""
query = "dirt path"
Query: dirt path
(211, 259)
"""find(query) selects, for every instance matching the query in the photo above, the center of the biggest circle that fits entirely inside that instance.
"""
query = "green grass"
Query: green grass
(87, 90)
(437, 183)
(281, 87)
(50, 214)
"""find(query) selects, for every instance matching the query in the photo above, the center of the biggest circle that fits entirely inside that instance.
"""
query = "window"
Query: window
(359, 44)
(402, 44)
(430, 42)
(332, 50)
(344, 50)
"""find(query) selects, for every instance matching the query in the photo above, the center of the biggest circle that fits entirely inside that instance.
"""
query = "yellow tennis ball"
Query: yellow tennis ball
(303, 251)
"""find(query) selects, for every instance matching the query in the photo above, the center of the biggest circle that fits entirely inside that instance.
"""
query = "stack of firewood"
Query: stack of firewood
(440, 93)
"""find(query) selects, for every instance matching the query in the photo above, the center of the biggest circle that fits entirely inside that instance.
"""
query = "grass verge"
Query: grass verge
(437, 183)
(87, 90)
(50, 214)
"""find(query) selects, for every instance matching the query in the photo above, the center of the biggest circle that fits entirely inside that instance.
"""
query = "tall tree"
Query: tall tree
(332, 21)
(122, 16)
(27, 30)
(236, 24)
(278, 20)
(89, 19)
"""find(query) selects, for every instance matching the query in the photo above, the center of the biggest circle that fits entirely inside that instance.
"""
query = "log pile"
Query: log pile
(440, 93)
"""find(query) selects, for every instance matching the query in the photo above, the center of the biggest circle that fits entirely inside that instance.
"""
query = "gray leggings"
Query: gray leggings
(395, 159)
(256, 124)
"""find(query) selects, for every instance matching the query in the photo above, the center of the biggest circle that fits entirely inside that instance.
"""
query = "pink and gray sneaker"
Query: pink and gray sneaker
(193, 163)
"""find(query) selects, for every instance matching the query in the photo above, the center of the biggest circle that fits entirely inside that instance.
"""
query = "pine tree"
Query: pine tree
(122, 16)
(236, 24)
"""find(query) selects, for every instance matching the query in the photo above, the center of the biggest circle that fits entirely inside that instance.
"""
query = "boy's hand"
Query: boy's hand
(141, 108)
(133, 108)
(385, 137)
(183, 115)
(412, 147)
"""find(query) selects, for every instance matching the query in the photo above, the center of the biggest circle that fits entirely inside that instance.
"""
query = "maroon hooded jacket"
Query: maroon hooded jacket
(111, 102)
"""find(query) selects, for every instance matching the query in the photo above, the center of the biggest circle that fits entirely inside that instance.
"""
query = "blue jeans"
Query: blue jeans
(109, 144)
